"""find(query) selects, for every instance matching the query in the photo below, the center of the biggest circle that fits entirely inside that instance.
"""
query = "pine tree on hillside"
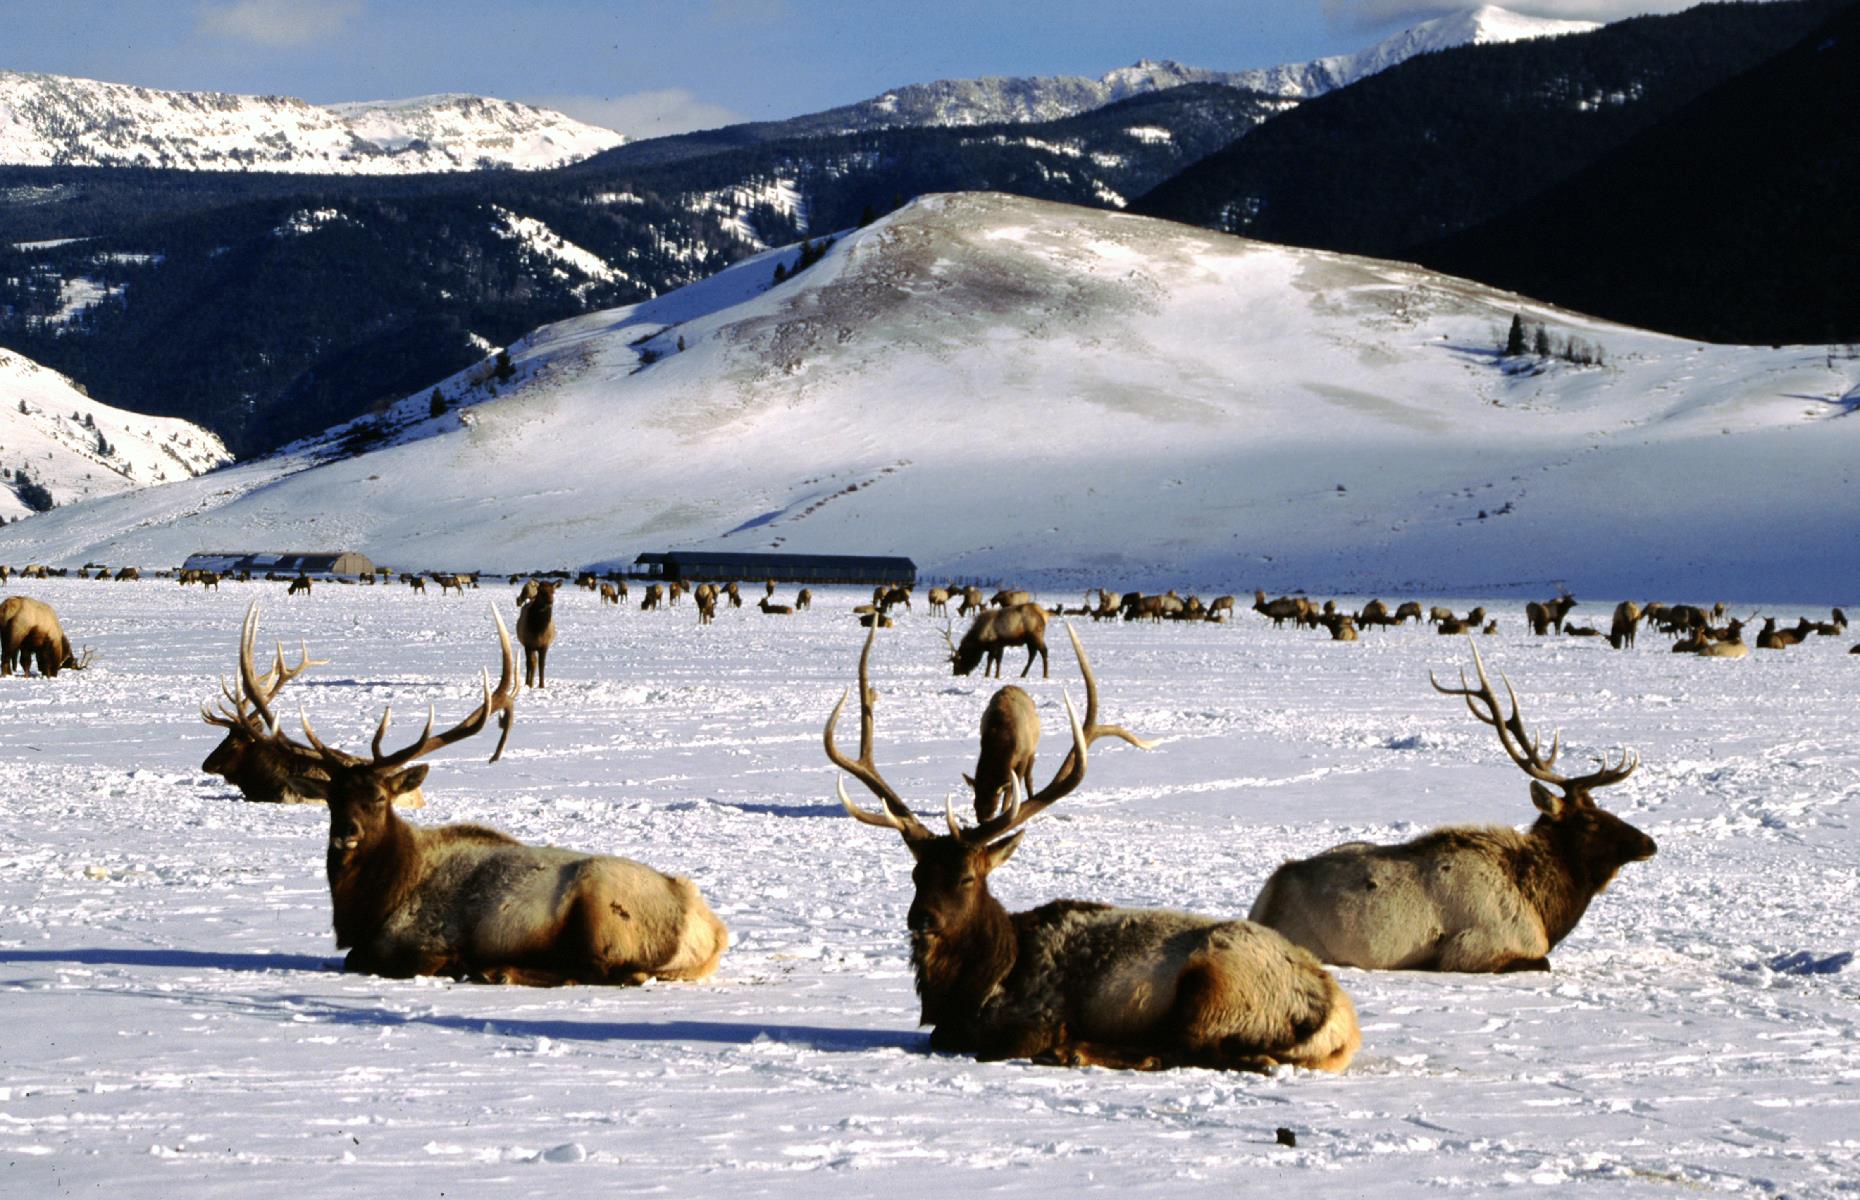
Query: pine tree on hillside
(1514, 341)
(438, 405)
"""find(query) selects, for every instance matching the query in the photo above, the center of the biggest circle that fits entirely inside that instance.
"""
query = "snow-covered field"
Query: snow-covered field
(174, 1019)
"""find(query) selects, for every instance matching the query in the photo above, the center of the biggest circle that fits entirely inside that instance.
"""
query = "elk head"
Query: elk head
(1596, 842)
(360, 791)
(246, 757)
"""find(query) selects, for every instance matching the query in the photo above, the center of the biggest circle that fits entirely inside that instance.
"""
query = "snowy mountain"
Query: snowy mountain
(50, 120)
(998, 386)
(56, 437)
(1049, 98)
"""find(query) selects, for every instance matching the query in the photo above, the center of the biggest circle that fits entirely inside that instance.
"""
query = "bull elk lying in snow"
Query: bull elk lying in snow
(464, 900)
(1077, 983)
(29, 634)
(1464, 898)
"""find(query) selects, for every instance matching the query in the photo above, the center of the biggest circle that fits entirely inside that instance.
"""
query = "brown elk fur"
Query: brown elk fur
(1285, 608)
(804, 599)
(1544, 615)
(654, 597)
(1484, 898)
(939, 601)
(536, 630)
(972, 601)
(464, 900)
(1010, 739)
(993, 631)
(299, 584)
(1078, 983)
(1626, 621)
(30, 634)
(609, 594)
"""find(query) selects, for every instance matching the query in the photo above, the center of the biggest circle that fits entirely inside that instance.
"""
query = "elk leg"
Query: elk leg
(1525, 964)
(529, 667)
(542, 667)
(522, 976)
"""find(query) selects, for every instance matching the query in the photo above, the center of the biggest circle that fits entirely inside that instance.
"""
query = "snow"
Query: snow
(1165, 405)
(177, 1022)
(55, 441)
(53, 119)
(545, 243)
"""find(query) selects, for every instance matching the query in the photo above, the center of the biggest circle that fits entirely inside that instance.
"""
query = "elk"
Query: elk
(804, 599)
(1772, 638)
(1010, 598)
(887, 597)
(128, 574)
(471, 902)
(706, 598)
(1543, 615)
(1407, 609)
(527, 592)
(654, 597)
(972, 601)
(1439, 613)
(609, 594)
(939, 601)
(299, 584)
(247, 758)
(1468, 897)
(1342, 626)
(1077, 983)
(1221, 605)
(1011, 737)
(774, 610)
(1728, 645)
(993, 631)
(536, 630)
(1285, 608)
(1375, 613)
(449, 583)
(1626, 621)
(734, 593)
(30, 633)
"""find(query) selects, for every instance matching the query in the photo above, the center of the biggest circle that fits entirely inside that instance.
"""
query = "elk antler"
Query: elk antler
(502, 702)
(897, 815)
(1525, 749)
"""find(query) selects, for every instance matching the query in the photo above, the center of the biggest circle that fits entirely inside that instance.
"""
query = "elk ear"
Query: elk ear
(1547, 801)
(1001, 851)
(310, 787)
(402, 782)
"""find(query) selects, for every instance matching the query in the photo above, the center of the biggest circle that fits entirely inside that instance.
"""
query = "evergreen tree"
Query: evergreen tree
(1514, 341)
(438, 405)
(503, 370)
(1542, 346)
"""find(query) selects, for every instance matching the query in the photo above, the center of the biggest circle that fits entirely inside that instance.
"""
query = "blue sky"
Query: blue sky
(648, 68)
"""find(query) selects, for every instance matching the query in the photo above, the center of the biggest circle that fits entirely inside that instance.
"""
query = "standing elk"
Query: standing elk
(1626, 621)
(992, 632)
(1544, 615)
(1010, 598)
(1011, 738)
(1408, 609)
(888, 597)
(128, 574)
(1375, 613)
(467, 901)
(610, 594)
(1464, 898)
(706, 598)
(654, 597)
(536, 630)
(1077, 983)
(30, 633)
(939, 601)
(449, 583)
(804, 599)
(972, 601)
(299, 584)
(1285, 608)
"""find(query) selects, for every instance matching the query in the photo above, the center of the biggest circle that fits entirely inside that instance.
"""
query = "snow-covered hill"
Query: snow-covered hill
(56, 120)
(77, 449)
(1050, 98)
(1004, 387)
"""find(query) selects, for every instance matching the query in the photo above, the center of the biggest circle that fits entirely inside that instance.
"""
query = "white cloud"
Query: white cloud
(277, 23)
(1359, 14)
(643, 114)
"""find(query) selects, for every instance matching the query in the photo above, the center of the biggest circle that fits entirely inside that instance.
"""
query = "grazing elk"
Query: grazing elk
(128, 574)
(804, 599)
(1011, 738)
(734, 593)
(31, 634)
(467, 901)
(1375, 613)
(993, 631)
(1076, 983)
(1408, 609)
(1626, 621)
(654, 597)
(972, 601)
(536, 630)
(888, 597)
(299, 584)
(1464, 898)
(1222, 606)
(610, 594)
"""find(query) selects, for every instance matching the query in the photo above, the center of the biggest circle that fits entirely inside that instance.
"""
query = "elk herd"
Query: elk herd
(1069, 982)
